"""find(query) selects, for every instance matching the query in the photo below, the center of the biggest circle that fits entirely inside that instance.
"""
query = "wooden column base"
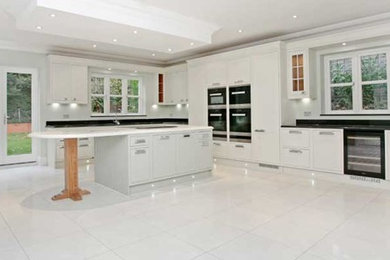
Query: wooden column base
(72, 190)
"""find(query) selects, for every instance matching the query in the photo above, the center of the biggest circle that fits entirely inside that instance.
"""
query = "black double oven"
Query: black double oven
(229, 113)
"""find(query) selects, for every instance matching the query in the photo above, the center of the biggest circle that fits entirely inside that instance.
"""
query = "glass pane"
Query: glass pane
(132, 87)
(301, 85)
(115, 104)
(132, 105)
(374, 67)
(341, 71)
(97, 85)
(18, 113)
(294, 60)
(374, 96)
(295, 73)
(300, 60)
(300, 72)
(115, 86)
(295, 85)
(341, 98)
(97, 104)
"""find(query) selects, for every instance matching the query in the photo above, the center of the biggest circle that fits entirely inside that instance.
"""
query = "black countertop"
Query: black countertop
(110, 122)
(372, 125)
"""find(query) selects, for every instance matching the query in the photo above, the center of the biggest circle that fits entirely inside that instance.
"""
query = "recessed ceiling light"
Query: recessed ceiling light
(114, 40)
(295, 16)
(39, 27)
(94, 46)
(192, 44)
(169, 49)
(153, 54)
(344, 44)
(240, 31)
(109, 69)
(53, 15)
(135, 31)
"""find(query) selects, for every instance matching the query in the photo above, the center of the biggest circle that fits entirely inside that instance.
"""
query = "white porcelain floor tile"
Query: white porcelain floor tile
(106, 256)
(76, 246)
(251, 247)
(13, 254)
(159, 247)
(7, 240)
(206, 234)
(206, 257)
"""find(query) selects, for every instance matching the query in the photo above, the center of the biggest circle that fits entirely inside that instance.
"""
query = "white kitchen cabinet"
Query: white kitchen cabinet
(295, 137)
(140, 171)
(300, 76)
(203, 149)
(68, 83)
(327, 150)
(164, 159)
(265, 108)
(239, 72)
(295, 157)
(220, 149)
(175, 87)
(240, 151)
(216, 74)
(185, 153)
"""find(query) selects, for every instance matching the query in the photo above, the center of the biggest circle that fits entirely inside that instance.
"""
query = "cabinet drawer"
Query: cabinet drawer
(139, 141)
(295, 137)
(220, 149)
(139, 170)
(296, 157)
(240, 151)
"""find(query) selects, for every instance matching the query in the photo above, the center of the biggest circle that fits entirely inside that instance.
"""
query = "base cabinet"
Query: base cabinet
(139, 165)
(328, 150)
(164, 159)
(203, 149)
(185, 153)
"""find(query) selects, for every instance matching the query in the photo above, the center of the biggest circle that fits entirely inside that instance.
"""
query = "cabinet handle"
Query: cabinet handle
(185, 136)
(259, 130)
(81, 139)
(234, 114)
(140, 141)
(66, 98)
(326, 133)
(216, 84)
(239, 146)
(166, 137)
(143, 151)
(295, 132)
(217, 144)
(215, 115)
(238, 81)
(295, 151)
(83, 145)
(238, 92)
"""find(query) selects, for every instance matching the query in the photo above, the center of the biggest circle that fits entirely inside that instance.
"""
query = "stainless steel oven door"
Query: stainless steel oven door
(240, 125)
(216, 96)
(217, 119)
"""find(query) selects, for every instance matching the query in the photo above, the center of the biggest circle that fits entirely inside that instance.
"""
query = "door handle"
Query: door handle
(295, 151)
(259, 130)
(239, 146)
(186, 136)
(326, 133)
(295, 132)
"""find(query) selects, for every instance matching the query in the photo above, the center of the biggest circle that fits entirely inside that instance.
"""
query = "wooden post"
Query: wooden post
(72, 190)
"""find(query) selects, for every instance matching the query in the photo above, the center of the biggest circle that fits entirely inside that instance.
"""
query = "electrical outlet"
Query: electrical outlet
(307, 113)
(65, 116)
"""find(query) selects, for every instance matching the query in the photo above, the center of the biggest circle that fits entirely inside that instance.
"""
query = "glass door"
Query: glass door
(16, 93)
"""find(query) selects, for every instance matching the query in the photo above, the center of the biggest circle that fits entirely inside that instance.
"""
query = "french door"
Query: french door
(17, 112)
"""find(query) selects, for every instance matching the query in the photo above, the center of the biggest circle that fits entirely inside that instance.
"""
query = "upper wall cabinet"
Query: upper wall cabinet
(175, 88)
(216, 74)
(299, 74)
(239, 72)
(68, 83)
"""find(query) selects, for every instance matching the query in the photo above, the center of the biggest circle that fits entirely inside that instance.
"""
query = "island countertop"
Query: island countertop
(101, 131)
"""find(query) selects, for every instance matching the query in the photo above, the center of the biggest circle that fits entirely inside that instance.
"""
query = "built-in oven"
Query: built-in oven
(216, 97)
(217, 119)
(364, 153)
(240, 95)
(240, 125)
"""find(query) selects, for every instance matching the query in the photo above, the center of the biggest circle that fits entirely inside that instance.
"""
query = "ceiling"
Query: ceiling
(166, 31)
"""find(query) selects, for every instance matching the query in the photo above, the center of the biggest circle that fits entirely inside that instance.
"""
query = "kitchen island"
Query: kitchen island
(128, 155)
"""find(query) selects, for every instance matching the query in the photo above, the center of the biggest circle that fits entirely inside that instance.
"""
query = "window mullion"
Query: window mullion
(106, 95)
(124, 96)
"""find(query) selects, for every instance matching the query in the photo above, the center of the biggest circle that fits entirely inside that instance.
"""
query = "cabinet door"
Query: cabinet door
(181, 87)
(169, 88)
(266, 108)
(217, 74)
(328, 150)
(164, 156)
(60, 82)
(185, 153)
(139, 170)
(298, 74)
(220, 149)
(79, 84)
(239, 72)
(203, 151)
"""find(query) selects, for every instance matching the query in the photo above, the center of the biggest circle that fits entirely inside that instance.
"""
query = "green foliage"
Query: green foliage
(97, 85)
(375, 97)
(374, 67)
(132, 105)
(133, 87)
(18, 143)
(341, 98)
(97, 104)
(115, 86)
(19, 98)
(341, 71)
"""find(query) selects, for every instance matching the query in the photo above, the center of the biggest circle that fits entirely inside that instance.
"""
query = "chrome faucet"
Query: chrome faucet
(116, 121)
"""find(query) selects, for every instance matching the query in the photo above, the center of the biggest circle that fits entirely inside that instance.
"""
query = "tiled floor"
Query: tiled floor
(236, 214)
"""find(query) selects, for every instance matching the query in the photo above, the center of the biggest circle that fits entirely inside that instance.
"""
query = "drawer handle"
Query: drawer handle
(140, 141)
(140, 151)
(83, 145)
(166, 137)
(259, 130)
(326, 133)
(239, 146)
(238, 81)
(217, 144)
(295, 151)
(295, 132)
(185, 136)
(216, 84)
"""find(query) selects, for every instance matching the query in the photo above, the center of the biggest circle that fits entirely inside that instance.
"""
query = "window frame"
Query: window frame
(357, 83)
(124, 95)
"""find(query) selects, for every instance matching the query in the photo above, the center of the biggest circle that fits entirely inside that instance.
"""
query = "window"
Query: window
(357, 82)
(116, 95)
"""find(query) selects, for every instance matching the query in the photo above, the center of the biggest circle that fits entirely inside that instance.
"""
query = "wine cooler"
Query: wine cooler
(364, 153)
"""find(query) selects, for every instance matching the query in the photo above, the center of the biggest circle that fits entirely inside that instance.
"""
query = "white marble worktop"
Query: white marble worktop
(101, 131)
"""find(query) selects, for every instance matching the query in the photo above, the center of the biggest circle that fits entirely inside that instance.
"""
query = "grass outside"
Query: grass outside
(18, 143)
